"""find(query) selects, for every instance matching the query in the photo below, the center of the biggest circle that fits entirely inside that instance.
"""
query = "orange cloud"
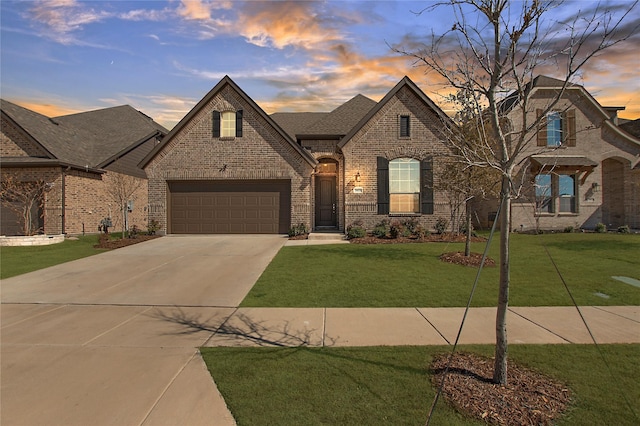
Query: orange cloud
(47, 109)
(281, 24)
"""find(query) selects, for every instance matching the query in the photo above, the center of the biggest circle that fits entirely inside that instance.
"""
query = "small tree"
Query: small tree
(121, 189)
(23, 197)
(492, 51)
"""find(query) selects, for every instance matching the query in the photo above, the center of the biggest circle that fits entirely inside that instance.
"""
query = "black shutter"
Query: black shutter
(239, 123)
(216, 124)
(383, 185)
(426, 186)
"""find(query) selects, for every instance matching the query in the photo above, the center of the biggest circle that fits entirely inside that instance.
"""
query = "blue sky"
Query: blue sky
(162, 57)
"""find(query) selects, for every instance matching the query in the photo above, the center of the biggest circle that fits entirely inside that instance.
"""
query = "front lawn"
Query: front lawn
(411, 275)
(391, 385)
(20, 260)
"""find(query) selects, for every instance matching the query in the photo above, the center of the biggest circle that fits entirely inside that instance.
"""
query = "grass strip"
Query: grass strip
(20, 260)
(410, 275)
(392, 385)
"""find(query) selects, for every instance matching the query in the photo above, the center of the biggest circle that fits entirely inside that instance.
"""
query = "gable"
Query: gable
(194, 139)
(384, 120)
(15, 142)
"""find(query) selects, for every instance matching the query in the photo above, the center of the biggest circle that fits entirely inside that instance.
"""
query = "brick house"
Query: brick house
(581, 167)
(79, 156)
(228, 167)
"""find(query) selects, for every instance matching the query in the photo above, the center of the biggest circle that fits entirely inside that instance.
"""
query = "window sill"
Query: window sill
(226, 138)
(404, 214)
(567, 214)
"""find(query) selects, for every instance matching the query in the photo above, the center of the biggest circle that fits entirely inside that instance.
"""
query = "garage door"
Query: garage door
(230, 207)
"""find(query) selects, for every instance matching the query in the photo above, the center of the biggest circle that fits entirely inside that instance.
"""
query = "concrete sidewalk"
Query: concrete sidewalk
(424, 326)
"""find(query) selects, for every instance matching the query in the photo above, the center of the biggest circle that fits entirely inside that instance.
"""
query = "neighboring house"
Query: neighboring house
(79, 156)
(580, 168)
(228, 167)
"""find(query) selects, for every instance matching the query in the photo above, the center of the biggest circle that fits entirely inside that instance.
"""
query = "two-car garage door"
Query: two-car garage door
(229, 207)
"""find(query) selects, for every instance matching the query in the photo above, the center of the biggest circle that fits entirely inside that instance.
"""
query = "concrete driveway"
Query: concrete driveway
(102, 340)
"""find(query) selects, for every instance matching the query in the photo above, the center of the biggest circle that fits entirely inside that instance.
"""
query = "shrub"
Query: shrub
(420, 231)
(410, 225)
(398, 229)
(624, 229)
(356, 230)
(601, 228)
(568, 230)
(299, 229)
(153, 226)
(381, 229)
(133, 232)
(441, 225)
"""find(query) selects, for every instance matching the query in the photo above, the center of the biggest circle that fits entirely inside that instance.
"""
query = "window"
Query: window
(554, 129)
(404, 186)
(549, 187)
(557, 128)
(227, 124)
(404, 126)
(567, 193)
(406, 183)
(544, 200)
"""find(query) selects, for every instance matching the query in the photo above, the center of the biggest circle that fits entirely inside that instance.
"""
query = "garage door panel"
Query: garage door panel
(230, 207)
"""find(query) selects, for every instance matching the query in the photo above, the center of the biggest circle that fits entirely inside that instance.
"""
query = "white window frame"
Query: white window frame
(404, 186)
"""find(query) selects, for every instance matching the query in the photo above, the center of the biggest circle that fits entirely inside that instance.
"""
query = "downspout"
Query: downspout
(64, 200)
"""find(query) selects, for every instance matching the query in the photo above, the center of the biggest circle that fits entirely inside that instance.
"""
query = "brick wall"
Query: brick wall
(616, 199)
(88, 202)
(14, 143)
(380, 138)
(52, 176)
(261, 153)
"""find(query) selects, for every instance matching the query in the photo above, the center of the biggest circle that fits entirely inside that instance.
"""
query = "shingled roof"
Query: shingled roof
(335, 123)
(88, 138)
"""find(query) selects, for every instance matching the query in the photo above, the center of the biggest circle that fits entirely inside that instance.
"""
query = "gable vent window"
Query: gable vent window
(227, 124)
(405, 130)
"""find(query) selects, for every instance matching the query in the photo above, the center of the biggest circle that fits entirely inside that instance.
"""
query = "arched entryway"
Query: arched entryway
(613, 193)
(326, 194)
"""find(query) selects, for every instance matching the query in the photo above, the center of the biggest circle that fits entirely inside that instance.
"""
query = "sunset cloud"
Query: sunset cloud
(63, 17)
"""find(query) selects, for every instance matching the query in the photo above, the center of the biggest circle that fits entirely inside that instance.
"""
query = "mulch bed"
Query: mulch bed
(529, 398)
(455, 257)
(433, 238)
(473, 259)
(106, 243)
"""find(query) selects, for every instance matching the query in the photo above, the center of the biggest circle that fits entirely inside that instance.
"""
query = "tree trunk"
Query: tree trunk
(467, 241)
(500, 367)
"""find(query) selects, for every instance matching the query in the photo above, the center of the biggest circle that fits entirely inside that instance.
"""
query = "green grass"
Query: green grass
(409, 275)
(391, 385)
(20, 260)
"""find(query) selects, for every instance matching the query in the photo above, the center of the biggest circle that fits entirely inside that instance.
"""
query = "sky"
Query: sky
(60, 57)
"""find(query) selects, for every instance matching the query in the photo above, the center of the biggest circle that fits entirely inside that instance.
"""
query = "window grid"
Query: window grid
(228, 124)
(404, 186)
(554, 129)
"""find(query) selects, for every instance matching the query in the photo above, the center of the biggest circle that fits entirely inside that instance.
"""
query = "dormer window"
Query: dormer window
(227, 124)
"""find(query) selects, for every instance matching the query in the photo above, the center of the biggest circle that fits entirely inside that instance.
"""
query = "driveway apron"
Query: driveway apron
(113, 339)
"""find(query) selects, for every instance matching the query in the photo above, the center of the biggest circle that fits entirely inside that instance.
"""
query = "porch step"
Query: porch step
(326, 236)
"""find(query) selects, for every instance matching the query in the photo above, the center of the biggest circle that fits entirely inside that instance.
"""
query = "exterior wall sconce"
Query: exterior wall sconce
(358, 177)
(595, 187)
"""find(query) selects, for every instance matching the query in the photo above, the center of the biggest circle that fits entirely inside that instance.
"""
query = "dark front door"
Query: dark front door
(326, 201)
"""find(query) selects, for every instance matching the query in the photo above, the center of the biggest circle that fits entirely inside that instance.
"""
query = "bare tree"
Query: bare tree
(493, 51)
(26, 199)
(122, 189)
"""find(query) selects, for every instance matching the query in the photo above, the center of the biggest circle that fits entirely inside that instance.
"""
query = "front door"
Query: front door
(326, 201)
